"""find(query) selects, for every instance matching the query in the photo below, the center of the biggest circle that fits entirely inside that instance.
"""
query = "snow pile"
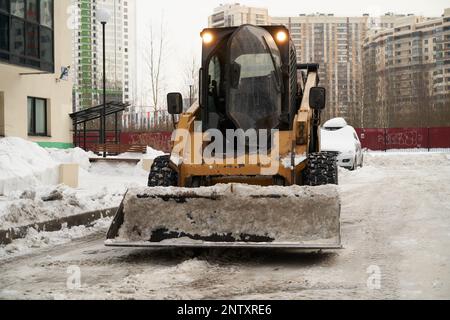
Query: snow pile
(101, 187)
(124, 173)
(47, 203)
(377, 164)
(393, 160)
(29, 177)
(24, 164)
(150, 154)
(36, 240)
(153, 154)
(77, 155)
(335, 123)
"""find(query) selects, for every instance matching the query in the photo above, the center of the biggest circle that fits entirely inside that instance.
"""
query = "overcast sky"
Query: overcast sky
(185, 19)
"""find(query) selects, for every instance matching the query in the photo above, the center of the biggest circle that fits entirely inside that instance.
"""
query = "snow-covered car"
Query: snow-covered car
(338, 136)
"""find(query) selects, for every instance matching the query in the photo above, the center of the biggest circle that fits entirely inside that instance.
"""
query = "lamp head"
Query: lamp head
(103, 15)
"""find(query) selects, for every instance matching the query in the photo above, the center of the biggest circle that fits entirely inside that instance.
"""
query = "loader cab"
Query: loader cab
(245, 76)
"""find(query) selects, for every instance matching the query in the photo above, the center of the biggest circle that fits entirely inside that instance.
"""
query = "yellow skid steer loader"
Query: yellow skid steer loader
(245, 168)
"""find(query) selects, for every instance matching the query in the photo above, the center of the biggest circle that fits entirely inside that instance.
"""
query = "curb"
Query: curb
(83, 219)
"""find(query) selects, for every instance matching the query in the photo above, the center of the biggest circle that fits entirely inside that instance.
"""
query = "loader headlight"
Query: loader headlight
(207, 37)
(282, 36)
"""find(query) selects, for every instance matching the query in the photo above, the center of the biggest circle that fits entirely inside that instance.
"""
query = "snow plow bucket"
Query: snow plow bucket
(229, 216)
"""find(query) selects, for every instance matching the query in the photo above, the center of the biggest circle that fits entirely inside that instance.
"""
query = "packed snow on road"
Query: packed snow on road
(395, 232)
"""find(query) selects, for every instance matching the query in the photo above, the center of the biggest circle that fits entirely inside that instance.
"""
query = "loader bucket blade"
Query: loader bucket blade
(229, 216)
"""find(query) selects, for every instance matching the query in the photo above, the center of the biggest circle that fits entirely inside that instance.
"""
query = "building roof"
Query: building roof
(96, 112)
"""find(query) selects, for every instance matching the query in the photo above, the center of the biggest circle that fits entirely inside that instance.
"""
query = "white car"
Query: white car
(338, 136)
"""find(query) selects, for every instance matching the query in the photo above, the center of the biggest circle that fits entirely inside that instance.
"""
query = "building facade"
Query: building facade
(341, 46)
(407, 74)
(231, 15)
(35, 55)
(88, 52)
(335, 43)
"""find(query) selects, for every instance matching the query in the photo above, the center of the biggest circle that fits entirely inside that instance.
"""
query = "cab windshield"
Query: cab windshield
(255, 91)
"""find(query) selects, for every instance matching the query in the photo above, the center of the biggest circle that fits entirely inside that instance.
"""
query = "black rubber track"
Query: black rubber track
(322, 169)
(161, 175)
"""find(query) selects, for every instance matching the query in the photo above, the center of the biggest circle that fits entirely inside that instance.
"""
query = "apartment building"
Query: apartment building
(349, 51)
(231, 15)
(333, 42)
(336, 44)
(407, 74)
(35, 55)
(88, 52)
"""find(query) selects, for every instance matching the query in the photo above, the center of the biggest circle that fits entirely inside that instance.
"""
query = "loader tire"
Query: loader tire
(322, 169)
(161, 174)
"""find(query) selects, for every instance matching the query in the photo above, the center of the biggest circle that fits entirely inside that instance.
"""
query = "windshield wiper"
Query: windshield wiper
(277, 75)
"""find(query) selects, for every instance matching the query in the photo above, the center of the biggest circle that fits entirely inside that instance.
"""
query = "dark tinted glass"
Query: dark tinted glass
(46, 45)
(17, 37)
(4, 32)
(255, 95)
(32, 10)
(4, 5)
(32, 41)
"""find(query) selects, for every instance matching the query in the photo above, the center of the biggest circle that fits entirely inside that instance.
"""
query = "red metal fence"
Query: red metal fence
(156, 140)
(373, 139)
(405, 138)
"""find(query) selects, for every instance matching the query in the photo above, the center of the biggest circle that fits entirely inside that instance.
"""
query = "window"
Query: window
(4, 34)
(26, 33)
(18, 8)
(46, 13)
(32, 10)
(17, 40)
(37, 117)
(32, 41)
(4, 5)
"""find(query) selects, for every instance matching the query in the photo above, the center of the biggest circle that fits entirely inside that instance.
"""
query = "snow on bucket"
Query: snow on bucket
(229, 214)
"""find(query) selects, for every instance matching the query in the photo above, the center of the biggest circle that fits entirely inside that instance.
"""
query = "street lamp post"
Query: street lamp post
(191, 86)
(103, 16)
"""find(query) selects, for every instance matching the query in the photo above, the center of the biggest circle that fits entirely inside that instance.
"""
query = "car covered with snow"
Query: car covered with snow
(337, 136)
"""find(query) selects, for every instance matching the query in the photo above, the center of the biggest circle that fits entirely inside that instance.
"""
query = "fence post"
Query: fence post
(429, 140)
(385, 140)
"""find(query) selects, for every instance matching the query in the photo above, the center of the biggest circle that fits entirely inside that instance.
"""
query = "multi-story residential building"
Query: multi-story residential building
(230, 15)
(407, 74)
(88, 52)
(335, 43)
(389, 20)
(35, 53)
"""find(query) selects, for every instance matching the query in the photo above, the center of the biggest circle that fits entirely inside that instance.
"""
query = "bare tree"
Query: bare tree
(153, 52)
(191, 78)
